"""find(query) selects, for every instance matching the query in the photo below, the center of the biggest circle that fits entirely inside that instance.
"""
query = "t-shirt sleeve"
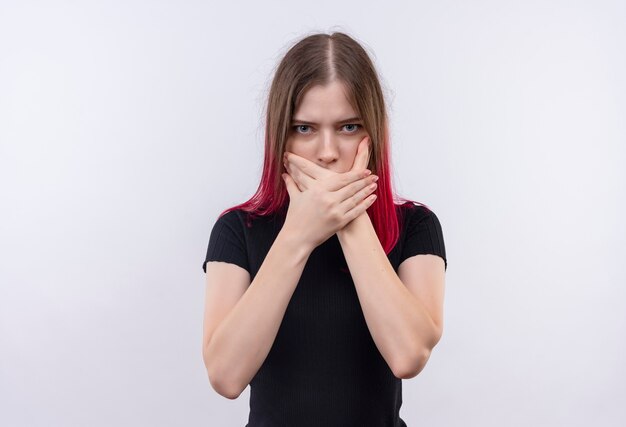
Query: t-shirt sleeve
(227, 242)
(424, 235)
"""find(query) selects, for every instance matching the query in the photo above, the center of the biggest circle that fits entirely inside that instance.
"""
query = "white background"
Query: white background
(126, 127)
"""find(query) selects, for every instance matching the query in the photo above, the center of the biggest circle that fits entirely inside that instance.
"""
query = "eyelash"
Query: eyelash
(348, 124)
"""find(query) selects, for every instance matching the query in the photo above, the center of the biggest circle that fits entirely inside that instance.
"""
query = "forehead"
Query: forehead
(326, 103)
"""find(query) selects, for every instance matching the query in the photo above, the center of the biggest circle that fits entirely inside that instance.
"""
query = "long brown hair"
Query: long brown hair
(319, 59)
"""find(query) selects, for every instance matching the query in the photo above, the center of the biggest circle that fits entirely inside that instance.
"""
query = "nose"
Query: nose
(328, 148)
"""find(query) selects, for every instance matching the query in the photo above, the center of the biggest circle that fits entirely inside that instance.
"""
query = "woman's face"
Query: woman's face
(325, 129)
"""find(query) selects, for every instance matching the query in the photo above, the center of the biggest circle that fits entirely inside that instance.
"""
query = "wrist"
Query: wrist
(292, 238)
(360, 220)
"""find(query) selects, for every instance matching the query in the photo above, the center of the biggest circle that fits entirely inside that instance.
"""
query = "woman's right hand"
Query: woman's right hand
(329, 200)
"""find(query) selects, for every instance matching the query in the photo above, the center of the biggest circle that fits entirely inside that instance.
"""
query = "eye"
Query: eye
(297, 128)
(355, 125)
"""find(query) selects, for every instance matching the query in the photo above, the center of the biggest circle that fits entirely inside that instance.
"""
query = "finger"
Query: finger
(359, 208)
(358, 189)
(291, 186)
(283, 176)
(362, 155)
(306, 166)
(366, 196)
(368, 156)
(367, 152)
(302, 180)
(342, 179)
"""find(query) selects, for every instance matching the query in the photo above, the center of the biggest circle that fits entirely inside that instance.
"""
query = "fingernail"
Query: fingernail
(375, 178)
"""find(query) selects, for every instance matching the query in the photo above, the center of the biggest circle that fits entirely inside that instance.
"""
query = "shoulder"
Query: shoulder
(232, 216)
(422, 232)
(235, 217)
(231, 222)
(416, 213)
(242, 221)
(228, 242)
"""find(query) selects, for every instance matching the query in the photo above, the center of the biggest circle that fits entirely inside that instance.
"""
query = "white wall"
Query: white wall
(127, 126)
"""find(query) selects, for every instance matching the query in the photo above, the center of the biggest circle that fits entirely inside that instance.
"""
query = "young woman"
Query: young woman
(323, 293)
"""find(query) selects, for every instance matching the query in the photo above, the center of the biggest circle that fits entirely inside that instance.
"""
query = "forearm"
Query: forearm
(399, 324)
(244, 338)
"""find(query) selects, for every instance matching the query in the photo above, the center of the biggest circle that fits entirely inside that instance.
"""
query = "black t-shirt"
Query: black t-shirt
(323, 368)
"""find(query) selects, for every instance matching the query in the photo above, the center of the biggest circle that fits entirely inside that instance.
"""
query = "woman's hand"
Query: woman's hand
(322, 201)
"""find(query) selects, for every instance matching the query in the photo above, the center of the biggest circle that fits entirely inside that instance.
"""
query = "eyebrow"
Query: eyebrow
(351, 119)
